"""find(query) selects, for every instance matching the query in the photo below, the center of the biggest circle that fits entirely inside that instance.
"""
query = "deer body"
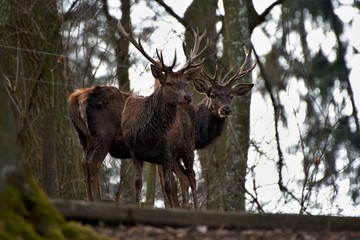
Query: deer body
(96, 114)
(151, 130)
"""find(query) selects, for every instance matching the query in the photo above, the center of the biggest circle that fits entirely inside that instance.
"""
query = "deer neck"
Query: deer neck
(207, 126)
(161, 115)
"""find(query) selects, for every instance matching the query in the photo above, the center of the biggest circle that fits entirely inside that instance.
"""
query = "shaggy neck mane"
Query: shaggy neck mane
(159, 116)
(208, 127)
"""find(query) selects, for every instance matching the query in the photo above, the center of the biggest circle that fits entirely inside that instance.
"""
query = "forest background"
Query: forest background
(292, 146)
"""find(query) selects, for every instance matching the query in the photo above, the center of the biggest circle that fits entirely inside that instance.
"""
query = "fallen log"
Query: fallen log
(111, 214)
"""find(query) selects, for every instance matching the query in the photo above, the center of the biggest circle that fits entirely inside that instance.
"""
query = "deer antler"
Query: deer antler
(159, 64)
(208, 77)
(241, 73)
(194, 52)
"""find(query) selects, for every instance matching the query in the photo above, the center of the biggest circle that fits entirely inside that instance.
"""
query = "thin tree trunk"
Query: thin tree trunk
(237, 35)
(125, 191)
(150, 184)
(202, 14)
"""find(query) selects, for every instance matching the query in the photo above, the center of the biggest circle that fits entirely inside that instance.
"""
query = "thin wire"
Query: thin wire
(29, 50)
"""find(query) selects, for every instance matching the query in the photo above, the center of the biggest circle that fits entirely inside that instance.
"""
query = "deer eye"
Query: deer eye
(231, 97)
(169, 84)
(212, 96)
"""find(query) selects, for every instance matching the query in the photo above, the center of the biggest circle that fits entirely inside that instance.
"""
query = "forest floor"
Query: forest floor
(202, 232)
(131, 222)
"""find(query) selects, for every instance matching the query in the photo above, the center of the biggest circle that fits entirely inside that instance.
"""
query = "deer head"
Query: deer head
(220, 94)
(174, 83)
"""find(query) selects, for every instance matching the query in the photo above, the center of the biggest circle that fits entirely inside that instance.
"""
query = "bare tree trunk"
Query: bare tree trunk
(49, 165)
(122, 56)
(237, 35)
(11, 158)
(39, 84)
(202, 14)
(150, 184)
(125, 190)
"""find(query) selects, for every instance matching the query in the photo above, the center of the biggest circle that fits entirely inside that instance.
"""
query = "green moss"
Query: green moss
(73, 230)
(30, 216)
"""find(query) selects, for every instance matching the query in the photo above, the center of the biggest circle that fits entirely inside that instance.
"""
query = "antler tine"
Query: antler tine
(241, 73)
(161, 59)
(194, 52)
(174, 62)
(211, 79)
(197, 42)
(247, 57)
(139, 46)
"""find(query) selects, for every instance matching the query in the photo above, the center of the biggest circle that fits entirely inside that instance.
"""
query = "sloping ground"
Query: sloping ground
(147, 223)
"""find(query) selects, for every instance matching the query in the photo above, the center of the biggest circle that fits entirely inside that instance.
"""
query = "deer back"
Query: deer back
(96, 112)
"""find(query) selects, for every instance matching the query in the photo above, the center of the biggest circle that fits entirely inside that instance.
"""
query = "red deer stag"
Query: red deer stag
(158, 128)
(210, 114)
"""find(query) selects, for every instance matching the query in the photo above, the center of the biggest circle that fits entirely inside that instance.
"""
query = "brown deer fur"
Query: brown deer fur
(96, 115)
(147, 123)
(97, 108)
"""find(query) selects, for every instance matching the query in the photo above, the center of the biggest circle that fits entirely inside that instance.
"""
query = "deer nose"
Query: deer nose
(226, 110)
(188, 98)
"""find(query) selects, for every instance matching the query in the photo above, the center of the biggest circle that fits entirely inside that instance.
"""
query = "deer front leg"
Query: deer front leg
(139, 165)
(184, 182)
(174, 188)
(188, 161)
(166, 166)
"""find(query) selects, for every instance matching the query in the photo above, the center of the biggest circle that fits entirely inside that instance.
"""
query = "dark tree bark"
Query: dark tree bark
(125, 191)
(11, 159)
(237, 35)
(34, 65)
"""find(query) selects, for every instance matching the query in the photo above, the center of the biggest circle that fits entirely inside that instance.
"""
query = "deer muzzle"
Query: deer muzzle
(225, 111)
(188, 98)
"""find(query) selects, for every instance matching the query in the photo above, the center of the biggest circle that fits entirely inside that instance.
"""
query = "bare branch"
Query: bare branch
(254, 18)
(169, 10)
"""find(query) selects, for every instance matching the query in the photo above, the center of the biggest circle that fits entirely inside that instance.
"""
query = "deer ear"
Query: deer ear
(157, 73)
(191, 74)
(201, 86)
(242, 88)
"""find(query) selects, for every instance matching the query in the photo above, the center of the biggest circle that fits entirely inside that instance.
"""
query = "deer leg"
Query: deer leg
(189, 168)
(94, 163)
(192, 180)
(173, 185)
(166, 166)
(139, 165)
(184, 182)
(84, 164)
